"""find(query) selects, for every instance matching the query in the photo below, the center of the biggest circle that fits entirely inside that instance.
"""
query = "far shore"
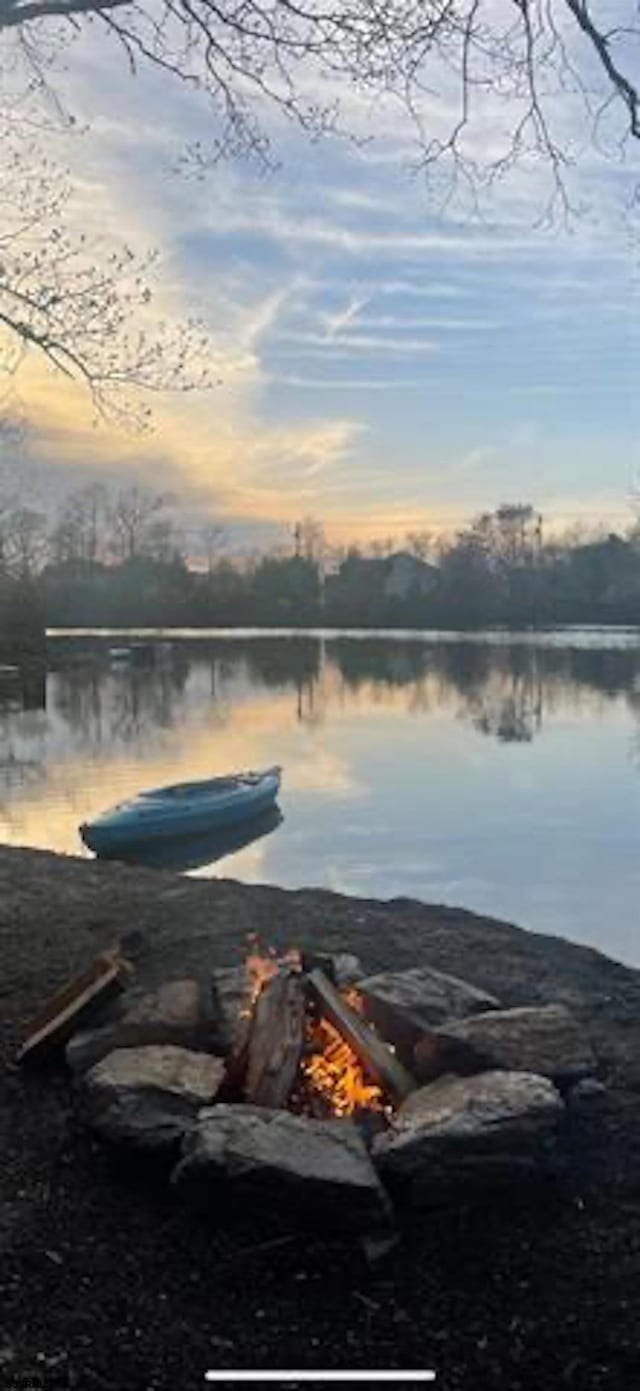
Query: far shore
(518, 633)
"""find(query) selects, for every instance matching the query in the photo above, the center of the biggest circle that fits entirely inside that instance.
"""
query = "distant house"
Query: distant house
(365, 588)
(406, 576)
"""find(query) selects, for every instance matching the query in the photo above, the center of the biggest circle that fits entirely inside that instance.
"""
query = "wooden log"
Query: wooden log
(378, 1062)
(73, 1005)
(276, 1041)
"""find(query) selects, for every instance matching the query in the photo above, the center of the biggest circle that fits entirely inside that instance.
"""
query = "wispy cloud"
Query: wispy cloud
(336, 323)
(349, 272)
(342, 383)
(355, 343)
(404, 322)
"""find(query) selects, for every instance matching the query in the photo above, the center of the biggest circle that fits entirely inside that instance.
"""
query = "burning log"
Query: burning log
(377, 1060)
(276, 1041)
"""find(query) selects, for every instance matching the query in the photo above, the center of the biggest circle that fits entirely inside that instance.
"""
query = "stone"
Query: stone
(548, 1041)
(299, 1170)
(403, 1004)
(347, 968)
(149, 1097)
(229, 995)
(461, 1133)
(180, 1012)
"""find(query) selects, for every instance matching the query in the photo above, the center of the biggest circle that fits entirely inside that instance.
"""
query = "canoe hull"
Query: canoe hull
(142, 822)
(183, 853)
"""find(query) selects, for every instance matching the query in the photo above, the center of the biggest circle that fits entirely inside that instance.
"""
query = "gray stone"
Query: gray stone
(547, 1040)
(229, 990)
(297, 1169)
(464, 1132)
(180, 1012)
(347, 968)
(403, 1004)
(149, 1097)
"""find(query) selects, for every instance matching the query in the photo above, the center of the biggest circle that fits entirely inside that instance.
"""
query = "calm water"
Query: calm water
(498, 773)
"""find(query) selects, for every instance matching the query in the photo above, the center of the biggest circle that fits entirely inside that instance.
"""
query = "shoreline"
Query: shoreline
(477, 632)
(102, 1270)
(101, 900)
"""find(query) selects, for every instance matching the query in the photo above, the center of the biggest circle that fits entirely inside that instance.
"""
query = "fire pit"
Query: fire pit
(299, 1083)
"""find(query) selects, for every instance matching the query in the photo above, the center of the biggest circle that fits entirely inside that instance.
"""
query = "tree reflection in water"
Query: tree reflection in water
(503, 689)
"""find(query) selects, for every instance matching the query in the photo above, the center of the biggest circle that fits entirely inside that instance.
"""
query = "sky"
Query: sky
(383, 363)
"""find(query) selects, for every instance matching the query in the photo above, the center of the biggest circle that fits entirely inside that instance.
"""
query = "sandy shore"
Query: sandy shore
(104, 1281)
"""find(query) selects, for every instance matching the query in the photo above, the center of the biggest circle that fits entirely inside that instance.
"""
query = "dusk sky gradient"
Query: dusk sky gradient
(384, 364)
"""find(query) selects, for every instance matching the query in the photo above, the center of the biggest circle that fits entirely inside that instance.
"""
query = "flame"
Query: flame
(261, 967)
(334, 1074)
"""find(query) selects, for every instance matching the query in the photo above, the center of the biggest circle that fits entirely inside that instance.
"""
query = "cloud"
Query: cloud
(335, 263)
(318, 344)
(403, 322)
(342, 383)
(336, 323)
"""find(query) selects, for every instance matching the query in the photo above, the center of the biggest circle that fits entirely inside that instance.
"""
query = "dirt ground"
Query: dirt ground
(105, 1281)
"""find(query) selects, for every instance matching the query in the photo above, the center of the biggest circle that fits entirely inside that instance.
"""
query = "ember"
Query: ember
(333, 1073)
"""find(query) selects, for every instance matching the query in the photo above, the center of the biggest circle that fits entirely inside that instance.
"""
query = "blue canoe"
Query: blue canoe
(182, 810)
(182, 853)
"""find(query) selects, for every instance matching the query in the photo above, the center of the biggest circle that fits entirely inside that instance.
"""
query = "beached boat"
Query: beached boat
(182, 810)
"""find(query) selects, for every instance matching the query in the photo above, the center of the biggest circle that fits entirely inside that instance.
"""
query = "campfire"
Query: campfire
(301, 1084)
(302, 1043)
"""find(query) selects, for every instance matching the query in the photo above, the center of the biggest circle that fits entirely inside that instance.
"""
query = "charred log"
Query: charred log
(276, 1041)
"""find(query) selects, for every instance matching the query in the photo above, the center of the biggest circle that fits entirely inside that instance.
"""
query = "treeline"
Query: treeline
(121, 560)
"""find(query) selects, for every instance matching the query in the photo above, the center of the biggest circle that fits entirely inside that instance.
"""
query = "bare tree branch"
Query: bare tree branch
(87, 309)
(238, 52)
(459, 67)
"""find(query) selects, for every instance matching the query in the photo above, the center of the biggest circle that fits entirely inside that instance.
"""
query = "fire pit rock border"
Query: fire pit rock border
(312, 1171)
(179, 1012)
(403, 1004)
(228, 1101)
(546, 1039)
(147, 1098)
(460, 1133)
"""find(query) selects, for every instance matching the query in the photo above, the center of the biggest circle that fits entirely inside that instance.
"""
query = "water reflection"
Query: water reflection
(119, 703)
(502, 775)
(193, 852)
(505, 690)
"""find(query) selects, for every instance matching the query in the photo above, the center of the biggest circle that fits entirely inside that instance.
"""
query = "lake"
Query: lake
(500, 772)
